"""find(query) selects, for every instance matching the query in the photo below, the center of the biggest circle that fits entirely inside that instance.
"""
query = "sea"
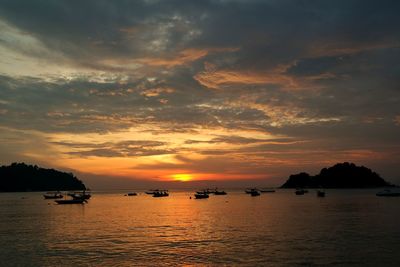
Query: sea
(345, 228)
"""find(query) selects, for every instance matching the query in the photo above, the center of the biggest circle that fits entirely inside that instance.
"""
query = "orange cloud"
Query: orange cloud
(321, 49)
(184, 57)
(157, 91)
(216, 79)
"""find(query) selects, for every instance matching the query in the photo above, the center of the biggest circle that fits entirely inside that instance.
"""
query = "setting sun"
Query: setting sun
(183, 177)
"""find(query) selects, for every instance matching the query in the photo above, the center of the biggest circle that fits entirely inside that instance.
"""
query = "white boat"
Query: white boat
(389, 193)
(53, 195)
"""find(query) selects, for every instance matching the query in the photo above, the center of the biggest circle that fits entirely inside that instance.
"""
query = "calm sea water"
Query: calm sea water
(347, 228)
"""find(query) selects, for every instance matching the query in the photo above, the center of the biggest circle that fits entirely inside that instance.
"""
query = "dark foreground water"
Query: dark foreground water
(347, 228)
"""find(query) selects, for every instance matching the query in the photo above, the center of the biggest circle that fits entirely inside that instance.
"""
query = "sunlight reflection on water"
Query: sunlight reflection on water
(347, 228)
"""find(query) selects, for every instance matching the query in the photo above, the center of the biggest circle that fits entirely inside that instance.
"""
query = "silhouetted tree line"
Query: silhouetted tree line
(20, 177)
(341, 175)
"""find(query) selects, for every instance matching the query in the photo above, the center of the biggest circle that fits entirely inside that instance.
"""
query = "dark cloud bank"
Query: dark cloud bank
(324, 73)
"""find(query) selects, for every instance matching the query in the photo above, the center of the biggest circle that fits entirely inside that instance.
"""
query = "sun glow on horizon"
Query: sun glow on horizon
(182, 177)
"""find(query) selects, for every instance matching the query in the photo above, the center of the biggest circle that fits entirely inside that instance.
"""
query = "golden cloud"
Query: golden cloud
(217, 79)
(184, 57)
(157, 91)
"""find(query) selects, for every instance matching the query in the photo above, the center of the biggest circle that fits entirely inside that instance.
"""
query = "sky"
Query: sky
(225, 90)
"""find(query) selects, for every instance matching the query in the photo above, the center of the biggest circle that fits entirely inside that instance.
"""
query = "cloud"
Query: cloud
(217, 79)
(252, 83)
(131, 148)
(157, 91)
(239, 140)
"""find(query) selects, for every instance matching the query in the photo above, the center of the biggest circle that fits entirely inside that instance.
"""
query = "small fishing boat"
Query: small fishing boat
(388, 193)
(53, 195)
(201, 195)
(219, 193)
(249, 190)
(267, 190)
(300, 191)
(320, 193)
(70, 201)
(152, 191)
(80, 195)
(207, 191)
(254, 192)
(130, 194)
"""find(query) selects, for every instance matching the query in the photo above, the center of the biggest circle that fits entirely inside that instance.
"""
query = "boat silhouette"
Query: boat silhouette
(388, 193)
(53, 195)
(202, 194)
(161, 193)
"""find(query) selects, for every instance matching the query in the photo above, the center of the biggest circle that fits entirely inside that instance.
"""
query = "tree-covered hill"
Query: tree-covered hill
(341, 175)
(20, 177)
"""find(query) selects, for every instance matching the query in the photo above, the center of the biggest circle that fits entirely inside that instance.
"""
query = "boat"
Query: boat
(300, 191)
(219, 193)
(201, 195)
(207, 191)
(80, 195)
(161, 193)
(320, 193)
(152, 191)
(267, 190)
(388, 193)
(249, 190)
(130, 194)
(155, 191)
(53, 195)
(70, 201)
(254, 192)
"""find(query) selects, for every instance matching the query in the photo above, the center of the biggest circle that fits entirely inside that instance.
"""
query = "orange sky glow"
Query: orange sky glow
(179, 94)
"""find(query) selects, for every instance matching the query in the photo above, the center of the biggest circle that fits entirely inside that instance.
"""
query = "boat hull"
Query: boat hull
(53, 197)
(267, 191)
(201, 196)
(388, 194)
(161, 195)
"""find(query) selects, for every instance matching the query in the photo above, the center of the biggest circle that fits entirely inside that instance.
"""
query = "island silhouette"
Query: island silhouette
(341, 175)
(20, 177)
